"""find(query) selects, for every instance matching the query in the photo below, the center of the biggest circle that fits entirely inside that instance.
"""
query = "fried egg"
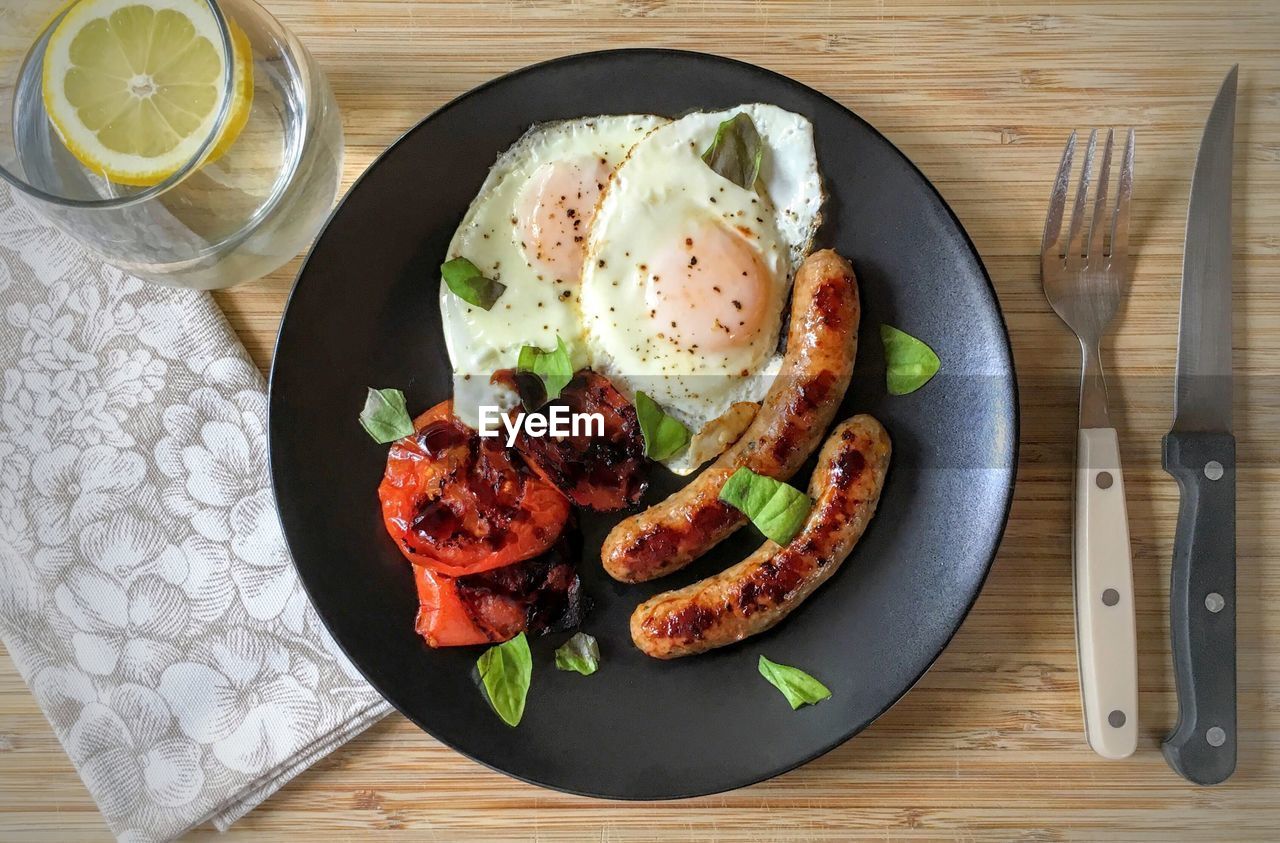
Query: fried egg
(687, 273)
(527, 228)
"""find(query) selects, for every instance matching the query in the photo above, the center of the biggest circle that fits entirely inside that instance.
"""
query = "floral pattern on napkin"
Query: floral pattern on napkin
(146, 593)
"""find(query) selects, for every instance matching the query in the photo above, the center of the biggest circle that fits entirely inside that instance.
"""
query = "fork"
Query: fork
(1084, 281)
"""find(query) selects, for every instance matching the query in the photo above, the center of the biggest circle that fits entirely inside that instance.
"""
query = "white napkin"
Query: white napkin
(146, 593)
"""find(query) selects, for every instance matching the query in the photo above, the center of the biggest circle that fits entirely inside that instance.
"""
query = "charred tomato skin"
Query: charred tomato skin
(459, 504)
(600, 473)
(537, 596)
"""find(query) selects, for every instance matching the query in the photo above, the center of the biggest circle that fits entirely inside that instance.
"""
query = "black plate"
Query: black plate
(364, 312)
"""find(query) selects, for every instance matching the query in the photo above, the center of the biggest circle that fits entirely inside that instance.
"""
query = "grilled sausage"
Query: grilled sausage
(796, 411)
(755, 594)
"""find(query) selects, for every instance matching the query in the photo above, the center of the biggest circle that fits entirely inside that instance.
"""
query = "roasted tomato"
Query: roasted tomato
(459, 504)
(603, 473)
(536, 596)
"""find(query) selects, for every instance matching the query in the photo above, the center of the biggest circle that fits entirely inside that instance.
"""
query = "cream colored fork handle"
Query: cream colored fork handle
(1106, 632)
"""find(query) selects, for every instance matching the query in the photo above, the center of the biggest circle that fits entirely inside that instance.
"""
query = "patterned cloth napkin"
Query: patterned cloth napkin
(146, 593)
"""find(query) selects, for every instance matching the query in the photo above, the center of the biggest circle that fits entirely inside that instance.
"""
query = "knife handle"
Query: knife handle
(1202, 606)
(1106, 634)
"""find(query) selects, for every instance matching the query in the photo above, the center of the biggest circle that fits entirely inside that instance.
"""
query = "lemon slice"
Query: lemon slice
(134, 88)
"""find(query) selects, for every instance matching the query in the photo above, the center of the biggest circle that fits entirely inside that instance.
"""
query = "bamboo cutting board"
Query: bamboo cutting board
(981, 95)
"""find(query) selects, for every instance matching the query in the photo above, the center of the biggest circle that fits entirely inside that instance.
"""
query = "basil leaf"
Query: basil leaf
(797, 686)
(505, 671)
(580, 653)
(664, 436)
(465, 281)
(911, 363)
(737, 151)
(554, 367)
(777, 510)
(384, 416)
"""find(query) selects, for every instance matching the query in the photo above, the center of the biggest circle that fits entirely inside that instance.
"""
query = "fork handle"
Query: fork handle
(1106, 632)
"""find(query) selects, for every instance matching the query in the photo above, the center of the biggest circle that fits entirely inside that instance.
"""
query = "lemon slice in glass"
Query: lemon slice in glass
(135, 87)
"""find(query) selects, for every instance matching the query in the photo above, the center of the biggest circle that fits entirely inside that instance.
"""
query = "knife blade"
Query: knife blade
(1202, 389)
(1199, 452)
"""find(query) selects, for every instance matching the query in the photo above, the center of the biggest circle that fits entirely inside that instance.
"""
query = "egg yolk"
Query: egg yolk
(709, 292)
(554, 216)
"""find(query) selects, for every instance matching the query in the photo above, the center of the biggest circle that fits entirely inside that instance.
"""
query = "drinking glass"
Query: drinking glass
(226, 214)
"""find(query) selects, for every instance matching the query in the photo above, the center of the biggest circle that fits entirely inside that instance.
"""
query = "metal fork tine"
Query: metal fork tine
(1058, 199)
(1120, 222)
(1097, 226)
(1075, 237)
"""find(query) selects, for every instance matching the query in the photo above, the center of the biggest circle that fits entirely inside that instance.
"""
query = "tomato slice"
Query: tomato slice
(443, 619)
(459, 504)
(538, 595)
(603, 473)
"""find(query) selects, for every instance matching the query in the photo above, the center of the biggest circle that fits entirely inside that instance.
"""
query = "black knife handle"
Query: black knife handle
(1202, 606)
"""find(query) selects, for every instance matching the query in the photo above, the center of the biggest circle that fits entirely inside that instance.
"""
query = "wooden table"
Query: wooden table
(981, 95)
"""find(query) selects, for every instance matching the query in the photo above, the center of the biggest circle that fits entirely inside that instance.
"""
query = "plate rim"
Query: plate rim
(1015, 408)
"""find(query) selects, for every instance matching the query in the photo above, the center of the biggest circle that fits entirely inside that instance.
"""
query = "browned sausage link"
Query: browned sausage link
(796, 411)
(764, 588)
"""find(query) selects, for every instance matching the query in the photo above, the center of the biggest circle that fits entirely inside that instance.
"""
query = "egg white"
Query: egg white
(534, 309)
(660, 196)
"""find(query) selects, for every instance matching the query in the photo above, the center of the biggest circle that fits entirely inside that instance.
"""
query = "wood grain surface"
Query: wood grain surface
(981, 95)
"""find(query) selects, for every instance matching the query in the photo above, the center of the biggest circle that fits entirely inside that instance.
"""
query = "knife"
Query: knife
(1200, 453)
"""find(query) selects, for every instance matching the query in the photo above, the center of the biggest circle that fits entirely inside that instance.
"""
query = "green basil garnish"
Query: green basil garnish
(664, 436)
(737, 151)
(797, 686)
(777, 510)
(465, 281)
(555, 368)
(384, 416)
(580, 653)
(506, 671)
(910, 363)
